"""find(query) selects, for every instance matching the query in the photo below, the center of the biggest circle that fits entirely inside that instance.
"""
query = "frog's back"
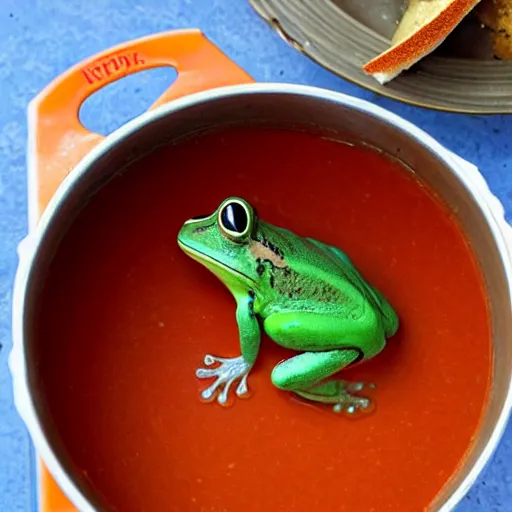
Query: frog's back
(351, 274)
(316, 272)
(344, 266)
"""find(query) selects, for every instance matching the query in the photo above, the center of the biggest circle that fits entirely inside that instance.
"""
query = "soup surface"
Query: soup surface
(126, 319)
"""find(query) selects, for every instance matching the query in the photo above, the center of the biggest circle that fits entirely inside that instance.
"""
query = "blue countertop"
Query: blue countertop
(39, 40)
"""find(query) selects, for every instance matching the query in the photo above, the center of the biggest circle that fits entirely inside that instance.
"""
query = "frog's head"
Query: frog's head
(220, 241)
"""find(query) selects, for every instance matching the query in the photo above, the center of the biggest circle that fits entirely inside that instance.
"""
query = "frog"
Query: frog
(306, 295)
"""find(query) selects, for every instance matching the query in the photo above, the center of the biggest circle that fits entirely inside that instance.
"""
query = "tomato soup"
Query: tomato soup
(126, 318)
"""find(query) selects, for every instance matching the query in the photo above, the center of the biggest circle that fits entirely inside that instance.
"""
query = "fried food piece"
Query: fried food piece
(497, 16)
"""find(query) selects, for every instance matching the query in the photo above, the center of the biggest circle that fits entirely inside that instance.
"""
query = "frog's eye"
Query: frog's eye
(234, 219)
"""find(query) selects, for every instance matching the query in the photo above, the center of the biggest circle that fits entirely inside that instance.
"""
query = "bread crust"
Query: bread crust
(420, 43)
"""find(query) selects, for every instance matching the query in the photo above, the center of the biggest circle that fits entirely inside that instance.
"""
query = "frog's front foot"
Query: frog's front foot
(228, 371)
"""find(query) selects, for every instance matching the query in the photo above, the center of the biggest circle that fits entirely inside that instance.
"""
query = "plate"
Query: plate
(462, 75)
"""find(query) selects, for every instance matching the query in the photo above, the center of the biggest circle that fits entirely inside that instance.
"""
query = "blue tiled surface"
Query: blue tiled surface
(41, 39)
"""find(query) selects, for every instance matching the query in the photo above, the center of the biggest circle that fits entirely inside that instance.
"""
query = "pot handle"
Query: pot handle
(58, 140)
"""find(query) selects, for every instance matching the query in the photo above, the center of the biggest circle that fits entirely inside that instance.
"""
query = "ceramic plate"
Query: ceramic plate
(460, 76)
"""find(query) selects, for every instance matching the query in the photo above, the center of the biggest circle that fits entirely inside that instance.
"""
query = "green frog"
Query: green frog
(309, 296)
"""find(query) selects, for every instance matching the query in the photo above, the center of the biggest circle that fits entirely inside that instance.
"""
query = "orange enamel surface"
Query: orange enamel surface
(59, 141)
(52, 498)
(126, 318)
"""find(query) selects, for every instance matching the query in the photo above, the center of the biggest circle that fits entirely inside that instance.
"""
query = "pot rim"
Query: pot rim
(467, 173)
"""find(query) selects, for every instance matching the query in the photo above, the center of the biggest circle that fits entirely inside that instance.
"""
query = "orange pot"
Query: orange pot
(67, 164)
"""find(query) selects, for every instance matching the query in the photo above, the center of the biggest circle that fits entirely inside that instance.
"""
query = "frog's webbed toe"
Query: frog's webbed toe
(341, 394)
(228, 371)
(350, 404)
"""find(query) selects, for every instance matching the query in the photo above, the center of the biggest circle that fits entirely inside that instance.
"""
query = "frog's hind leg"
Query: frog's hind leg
(303, 374)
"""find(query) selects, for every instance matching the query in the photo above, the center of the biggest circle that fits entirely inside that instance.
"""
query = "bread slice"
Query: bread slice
(424, 26)
(497, 16)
